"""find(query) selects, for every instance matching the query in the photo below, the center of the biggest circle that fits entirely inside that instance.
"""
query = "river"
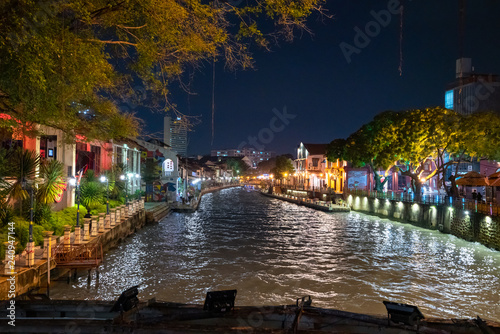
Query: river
(273, 252)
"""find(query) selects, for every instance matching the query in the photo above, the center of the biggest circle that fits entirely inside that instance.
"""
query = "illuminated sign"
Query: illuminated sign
(448, 100)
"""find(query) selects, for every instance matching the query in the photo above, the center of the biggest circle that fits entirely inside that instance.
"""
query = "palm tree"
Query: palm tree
(24, 165)
(53, 185)
(91, 191)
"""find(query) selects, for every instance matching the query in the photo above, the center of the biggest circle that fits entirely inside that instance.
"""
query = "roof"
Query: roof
(472, 179)
(316, 149)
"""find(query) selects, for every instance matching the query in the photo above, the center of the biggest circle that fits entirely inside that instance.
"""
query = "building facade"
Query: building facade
(472, 92)
(175, 134)
(254, 156)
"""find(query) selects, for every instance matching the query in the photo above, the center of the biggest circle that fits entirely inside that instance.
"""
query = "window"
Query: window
(448, 100)
(168, 167)
(315, 162)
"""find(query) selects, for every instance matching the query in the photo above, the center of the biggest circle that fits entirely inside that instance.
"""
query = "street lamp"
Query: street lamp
(105, 179)
(128, 178)
(75, 182)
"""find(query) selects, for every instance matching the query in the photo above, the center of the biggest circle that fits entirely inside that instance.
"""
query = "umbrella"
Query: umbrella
(472, 179)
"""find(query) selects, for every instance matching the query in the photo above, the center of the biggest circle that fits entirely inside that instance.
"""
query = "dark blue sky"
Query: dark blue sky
(330, 97)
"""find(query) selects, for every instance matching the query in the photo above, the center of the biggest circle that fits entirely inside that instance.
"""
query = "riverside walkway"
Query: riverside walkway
(311, 203)
(103, 230)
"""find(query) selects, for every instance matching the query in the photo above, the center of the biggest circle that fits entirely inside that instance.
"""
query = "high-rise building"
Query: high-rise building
(472, 92)
(175, 134)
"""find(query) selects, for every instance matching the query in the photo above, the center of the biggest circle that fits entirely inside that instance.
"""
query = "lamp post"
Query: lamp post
(28, 186)
(105, 179)
(31, 245)
(128, 178)
(75, 182)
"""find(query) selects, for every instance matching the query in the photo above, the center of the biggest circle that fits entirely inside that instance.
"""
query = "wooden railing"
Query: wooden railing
(88, 255)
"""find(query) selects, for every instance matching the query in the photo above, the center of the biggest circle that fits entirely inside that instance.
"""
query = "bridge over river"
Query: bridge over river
(273, 252)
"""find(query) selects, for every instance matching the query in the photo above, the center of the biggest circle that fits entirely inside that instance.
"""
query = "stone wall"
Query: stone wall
(471, 226)
(36, 276)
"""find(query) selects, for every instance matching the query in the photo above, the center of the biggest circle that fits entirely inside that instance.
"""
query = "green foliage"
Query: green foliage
(66, 216)
(336, 150)
(238, 166)
(91, 195)
(151, 170)
(23, 166)
(283, 166)
(58, 58)
(53, 185)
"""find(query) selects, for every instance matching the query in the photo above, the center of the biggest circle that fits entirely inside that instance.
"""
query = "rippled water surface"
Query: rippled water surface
(273, 252)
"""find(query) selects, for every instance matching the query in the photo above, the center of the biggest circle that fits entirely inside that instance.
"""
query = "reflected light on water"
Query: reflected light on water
(274, 252)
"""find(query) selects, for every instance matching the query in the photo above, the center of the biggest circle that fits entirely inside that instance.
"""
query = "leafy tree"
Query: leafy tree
(373, 145)
(283, 166)
(238, 166)
(336, 150)
(63, 59)
(423, 135)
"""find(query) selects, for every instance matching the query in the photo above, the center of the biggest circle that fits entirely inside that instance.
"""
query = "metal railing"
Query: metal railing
(488, 208)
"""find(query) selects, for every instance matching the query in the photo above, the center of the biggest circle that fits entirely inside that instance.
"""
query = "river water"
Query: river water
(273, 252)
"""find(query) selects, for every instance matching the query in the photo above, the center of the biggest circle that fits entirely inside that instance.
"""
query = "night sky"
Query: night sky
(330, 97)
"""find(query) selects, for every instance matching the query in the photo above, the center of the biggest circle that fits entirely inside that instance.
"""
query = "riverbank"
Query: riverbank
(462, 223)
(108, 231)
(317, 205)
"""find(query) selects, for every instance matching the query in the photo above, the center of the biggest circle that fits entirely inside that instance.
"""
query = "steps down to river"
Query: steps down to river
(156, 211)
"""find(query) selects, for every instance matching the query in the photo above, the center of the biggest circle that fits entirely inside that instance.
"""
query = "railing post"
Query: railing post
(47, 244)
(86, 232)
(107, 221)
(112, 217)
(67, 237)
(95, 225)
(78, 235)
(101, 223)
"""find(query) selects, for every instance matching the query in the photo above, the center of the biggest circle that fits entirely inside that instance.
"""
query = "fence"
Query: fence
(488, 208)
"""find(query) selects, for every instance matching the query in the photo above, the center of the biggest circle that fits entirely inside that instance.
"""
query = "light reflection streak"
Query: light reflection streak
(274, 252)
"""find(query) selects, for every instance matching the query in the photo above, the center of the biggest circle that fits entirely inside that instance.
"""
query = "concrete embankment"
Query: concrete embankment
(27, 279)
(318, 205)
(464, 224)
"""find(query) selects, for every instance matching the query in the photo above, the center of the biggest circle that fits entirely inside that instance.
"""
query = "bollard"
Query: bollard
(47, 243)
(107, 221)
(118, 214)
(67, 237)
(123, 212)
(86, 225)
(94, 226)
(113, 218)
(101, 223)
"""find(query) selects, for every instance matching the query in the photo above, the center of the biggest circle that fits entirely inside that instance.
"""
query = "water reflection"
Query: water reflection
(274, 252)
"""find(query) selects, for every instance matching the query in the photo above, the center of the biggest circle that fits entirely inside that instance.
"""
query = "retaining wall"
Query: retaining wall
(464, 224)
